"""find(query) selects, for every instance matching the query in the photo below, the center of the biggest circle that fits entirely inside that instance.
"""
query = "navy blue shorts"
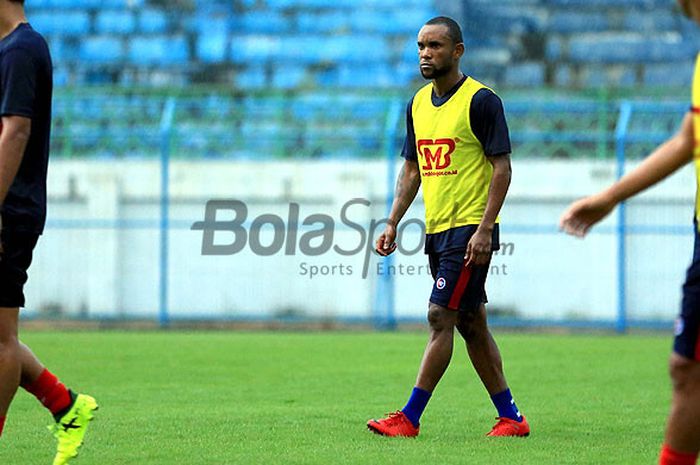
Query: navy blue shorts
(14, 263)
(687, 341)
(457, 287)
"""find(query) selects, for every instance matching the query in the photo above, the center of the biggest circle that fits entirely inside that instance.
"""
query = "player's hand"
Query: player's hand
(386, 244)
(479, 248)
(581, 215)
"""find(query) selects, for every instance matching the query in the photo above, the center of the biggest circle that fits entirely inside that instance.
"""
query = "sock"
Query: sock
(51, 393)
(416, 404)
(671, 457)
(2, 424)
(506, 405)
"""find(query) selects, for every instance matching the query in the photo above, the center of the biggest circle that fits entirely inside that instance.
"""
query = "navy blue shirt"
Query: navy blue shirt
(26, 86)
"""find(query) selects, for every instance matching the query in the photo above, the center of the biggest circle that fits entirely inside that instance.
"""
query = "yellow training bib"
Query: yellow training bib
(455, 173)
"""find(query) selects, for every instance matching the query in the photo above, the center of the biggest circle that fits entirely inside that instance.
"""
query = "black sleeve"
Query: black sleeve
(409, 144)
(18, 80)
(488, 123)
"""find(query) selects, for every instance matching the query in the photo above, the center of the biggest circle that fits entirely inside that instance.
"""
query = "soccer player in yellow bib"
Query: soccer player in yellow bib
(682, 439)
(457, 146)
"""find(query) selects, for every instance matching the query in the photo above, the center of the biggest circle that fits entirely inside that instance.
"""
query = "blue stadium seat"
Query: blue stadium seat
(628, 48)
(263, 22)
(161, 50)
(322, 22)
(354, 48)
(101, 50)
(65, 23)
(289, 77)
(607, 76)
(525, 75)
(568, 22)
(390, 22)
(563, 76)
(212, 47)
(651, 21)
(61, 76)
(607, 3)
(254, 48)
(153, 21)
(62, 51)
(251, 79)
(553, 49)
(115, 21)
(301, 49)
(669, 74)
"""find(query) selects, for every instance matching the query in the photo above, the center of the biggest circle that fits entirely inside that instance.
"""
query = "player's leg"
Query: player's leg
(483, 350)
(44, 385)
(436, 359)
(485, 356)
(10, 366)
(446, 269)
(682, 439)
(438, 352)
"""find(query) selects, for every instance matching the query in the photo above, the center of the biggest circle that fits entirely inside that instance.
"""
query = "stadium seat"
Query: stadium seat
(263, 22)
(289, 77)
(62, 51)
(553, 49)
(64, 23)
(115, 22)
(659, 20)
(669, 74)
(212, 47)
(152, 21)
(254, 48)
(525, 75)
(334, 21)
(568, 22)
(161, 50)
(253, 79)
(628, 48)
(596, 75)
(101, 50)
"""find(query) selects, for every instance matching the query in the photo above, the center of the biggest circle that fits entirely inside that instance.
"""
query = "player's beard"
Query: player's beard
(436, 72)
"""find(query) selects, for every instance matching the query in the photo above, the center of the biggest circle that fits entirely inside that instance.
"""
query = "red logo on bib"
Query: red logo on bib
(436, 153)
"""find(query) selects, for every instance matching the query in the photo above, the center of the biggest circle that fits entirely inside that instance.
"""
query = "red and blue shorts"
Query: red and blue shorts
(457, 287)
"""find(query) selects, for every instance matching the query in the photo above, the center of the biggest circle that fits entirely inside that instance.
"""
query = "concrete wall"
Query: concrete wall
(89, 267)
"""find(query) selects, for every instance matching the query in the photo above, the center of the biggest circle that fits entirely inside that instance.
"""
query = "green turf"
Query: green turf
(304, 398)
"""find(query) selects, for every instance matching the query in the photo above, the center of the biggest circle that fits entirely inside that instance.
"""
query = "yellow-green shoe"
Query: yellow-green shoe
(70, 429)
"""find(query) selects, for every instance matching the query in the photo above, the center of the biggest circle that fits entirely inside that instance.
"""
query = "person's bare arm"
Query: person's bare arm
(407, 184)
(663, 161)
(479, 247)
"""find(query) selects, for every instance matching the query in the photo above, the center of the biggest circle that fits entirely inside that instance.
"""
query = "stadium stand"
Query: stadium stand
(307, 51)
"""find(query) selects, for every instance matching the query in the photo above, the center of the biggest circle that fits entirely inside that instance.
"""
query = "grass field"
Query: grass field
(304, 398)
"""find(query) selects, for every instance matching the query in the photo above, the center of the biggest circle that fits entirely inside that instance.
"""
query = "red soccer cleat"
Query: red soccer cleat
(395, 424)
(508, 427)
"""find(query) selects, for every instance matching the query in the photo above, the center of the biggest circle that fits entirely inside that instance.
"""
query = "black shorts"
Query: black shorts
(14, 263)
(687, 341)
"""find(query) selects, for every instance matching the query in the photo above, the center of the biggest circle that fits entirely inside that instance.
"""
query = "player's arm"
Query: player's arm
(488, 121)
(407, 185)
(479, 246)
(13, 140)
(663, 161)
